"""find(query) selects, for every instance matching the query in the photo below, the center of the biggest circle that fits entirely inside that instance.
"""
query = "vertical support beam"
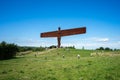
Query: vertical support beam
(59, 41)
(59, 38)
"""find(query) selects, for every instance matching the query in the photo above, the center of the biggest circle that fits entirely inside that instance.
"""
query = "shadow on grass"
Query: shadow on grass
(16, 57)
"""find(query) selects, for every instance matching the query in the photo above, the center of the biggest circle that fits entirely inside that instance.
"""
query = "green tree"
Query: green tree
(108, 49)
(7, 51)
(100, 48)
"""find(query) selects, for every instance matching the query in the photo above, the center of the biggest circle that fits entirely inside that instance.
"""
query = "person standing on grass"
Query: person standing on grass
(78, 56)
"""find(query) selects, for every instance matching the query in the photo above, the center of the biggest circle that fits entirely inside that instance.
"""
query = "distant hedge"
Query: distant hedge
(7, 51)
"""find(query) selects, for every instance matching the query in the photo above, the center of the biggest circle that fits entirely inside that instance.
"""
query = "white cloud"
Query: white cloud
(118, 42)
(35, 42)
(92, 43)
(103, 39)
(25, 42)
(99, 39)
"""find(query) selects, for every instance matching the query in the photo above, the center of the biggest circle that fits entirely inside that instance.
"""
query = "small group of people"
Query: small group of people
(78, 56)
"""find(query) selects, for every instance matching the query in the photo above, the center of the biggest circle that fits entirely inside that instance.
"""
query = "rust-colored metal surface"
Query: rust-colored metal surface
(50, 34)
(61, 33)
(74, 31)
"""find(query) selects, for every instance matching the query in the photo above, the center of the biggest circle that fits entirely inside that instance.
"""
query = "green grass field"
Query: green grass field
(50, 65)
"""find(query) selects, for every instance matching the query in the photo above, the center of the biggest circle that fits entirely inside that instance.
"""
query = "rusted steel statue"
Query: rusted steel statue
(61, 33)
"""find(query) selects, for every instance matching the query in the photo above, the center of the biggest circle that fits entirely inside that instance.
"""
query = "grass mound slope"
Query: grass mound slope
(61, 64)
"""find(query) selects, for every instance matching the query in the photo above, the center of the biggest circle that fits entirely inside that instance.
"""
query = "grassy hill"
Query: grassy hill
(50, 65)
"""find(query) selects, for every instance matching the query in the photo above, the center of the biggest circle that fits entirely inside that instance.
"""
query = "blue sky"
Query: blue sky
(22, 21)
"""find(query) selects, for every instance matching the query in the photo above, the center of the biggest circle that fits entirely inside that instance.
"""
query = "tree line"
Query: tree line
(107, 49)
(8, 50)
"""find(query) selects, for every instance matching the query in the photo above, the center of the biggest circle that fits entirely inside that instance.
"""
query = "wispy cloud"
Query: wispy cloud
(88, 43)
(34, 42)
(97, 39)
(118, 42)
(25, 42)
(93, 43)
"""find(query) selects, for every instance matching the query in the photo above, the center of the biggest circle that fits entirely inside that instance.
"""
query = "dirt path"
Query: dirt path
(46, 51)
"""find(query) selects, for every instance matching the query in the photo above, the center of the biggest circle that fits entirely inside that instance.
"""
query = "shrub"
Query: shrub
(7, 51)
(101, 48)
(53, 46)
(106, 49)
